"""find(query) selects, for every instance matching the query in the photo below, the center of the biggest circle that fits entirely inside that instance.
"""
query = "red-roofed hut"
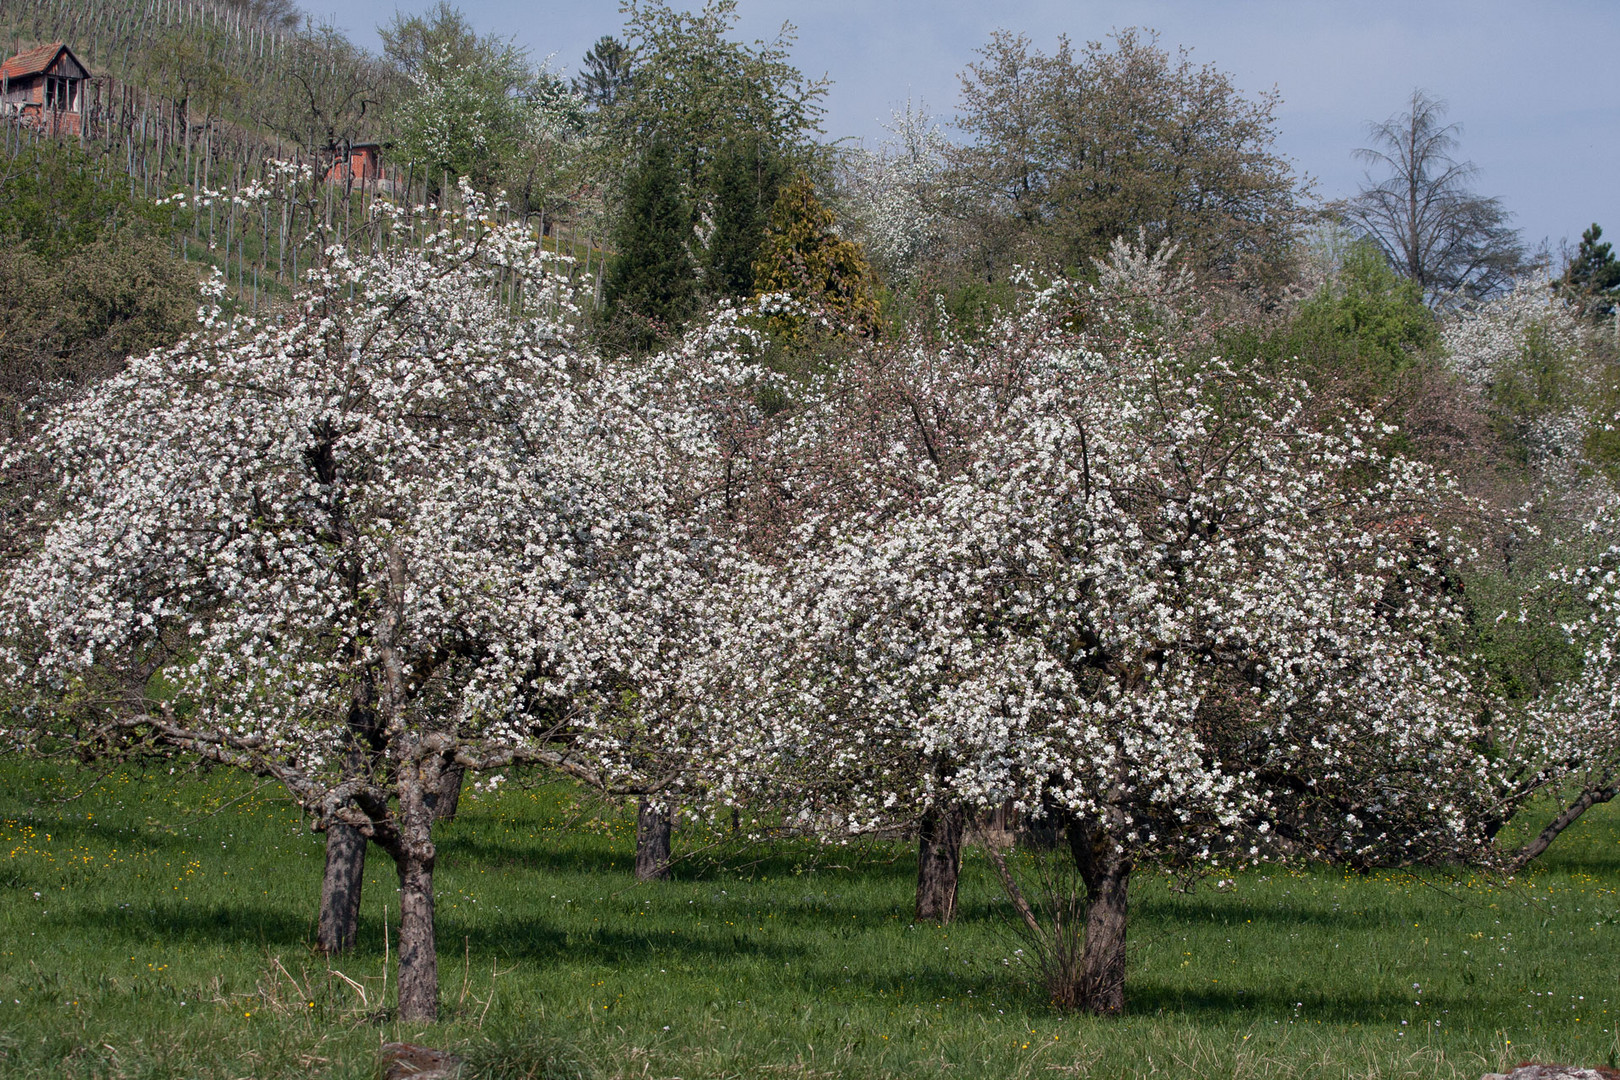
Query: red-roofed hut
(45, 87)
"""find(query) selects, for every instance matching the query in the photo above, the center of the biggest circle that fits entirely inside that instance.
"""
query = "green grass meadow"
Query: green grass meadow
(158, 925)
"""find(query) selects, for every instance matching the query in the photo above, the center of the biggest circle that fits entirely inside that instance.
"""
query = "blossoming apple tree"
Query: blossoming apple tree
(401, 529)
(1163, 608)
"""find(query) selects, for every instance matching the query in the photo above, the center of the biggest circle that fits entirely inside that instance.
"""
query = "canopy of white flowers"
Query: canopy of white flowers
(1109, 585)
(413, 497)
(1158, 599)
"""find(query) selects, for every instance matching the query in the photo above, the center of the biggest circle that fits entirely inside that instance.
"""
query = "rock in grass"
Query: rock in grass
(1530, 1070)
(407, 1061)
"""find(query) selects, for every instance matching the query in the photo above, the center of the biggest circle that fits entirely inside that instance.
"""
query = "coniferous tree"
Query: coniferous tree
(651, 285)
(747, 178)
(606, 73)
(1592, 278)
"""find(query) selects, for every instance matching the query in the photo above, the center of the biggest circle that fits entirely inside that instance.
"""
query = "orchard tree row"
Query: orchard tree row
(1083, 468)
(1180, 607)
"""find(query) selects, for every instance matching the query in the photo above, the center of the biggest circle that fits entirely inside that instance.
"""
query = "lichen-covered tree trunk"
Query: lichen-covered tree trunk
(939, 863)
(653, 827)
(340, 888)
(1106, 872)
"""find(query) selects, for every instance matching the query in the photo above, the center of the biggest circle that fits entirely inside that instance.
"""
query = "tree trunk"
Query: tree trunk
(448, 796)
(418, 953)
(1106, 872)
(939, 863)
(652, 842)
(414, 856)
(1588, 799)
(340, 888)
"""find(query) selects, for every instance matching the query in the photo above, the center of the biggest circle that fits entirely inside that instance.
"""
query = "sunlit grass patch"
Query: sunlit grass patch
(170, 935)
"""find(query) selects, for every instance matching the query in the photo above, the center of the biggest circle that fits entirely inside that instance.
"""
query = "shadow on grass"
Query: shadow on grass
(1596, 859)
(1233, 912)
(724, 861)
(1145, 996)
(200, 923)
(544, 943)
(1021, 987)
(512, 939)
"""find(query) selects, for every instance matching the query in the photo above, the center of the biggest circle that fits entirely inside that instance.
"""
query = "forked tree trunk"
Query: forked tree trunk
(1107, 876)
(340, 888)
(448, 797)
(939, 863)
(652, 842)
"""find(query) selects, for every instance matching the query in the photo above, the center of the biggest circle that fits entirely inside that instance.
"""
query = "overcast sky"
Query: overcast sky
(1532, 84)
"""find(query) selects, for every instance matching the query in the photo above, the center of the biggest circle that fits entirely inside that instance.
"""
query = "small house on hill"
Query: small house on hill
(45, 88)
(359, 163)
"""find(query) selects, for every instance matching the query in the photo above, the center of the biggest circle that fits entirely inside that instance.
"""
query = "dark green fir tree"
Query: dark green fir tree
(651, 286)
(605, 76)
(748, 175)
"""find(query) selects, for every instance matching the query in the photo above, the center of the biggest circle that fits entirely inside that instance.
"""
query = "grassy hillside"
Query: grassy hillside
(157, 925)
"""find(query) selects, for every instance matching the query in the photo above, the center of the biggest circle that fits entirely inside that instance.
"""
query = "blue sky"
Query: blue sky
(1533, 84)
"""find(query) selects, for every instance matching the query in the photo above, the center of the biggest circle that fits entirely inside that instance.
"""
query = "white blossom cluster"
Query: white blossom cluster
(412, 498)
(895, 193)
(1572, 733)
(1132, 271)
(1528, 345)
(1484, 340)
(1134, 592)
(415, 518)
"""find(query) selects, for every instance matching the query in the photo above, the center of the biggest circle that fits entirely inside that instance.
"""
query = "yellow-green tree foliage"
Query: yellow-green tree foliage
(804, 256)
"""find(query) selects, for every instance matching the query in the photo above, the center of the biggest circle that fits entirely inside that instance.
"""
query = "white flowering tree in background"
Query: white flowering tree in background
(896, 194)
(1484, 341)
(377, 539)
(1546, 616)
(1159, 609)
(1531, 358)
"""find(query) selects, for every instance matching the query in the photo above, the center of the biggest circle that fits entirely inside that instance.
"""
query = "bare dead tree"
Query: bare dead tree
(1431, 226)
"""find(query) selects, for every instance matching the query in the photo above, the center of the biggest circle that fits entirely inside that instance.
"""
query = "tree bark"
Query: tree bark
(414, 856)
(1589, 798)
(939, 863)
(419, 774)
(418, 952)
(1106, 872)
(345, 844)
(448, 796)
(652, 842)
(340, 888)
